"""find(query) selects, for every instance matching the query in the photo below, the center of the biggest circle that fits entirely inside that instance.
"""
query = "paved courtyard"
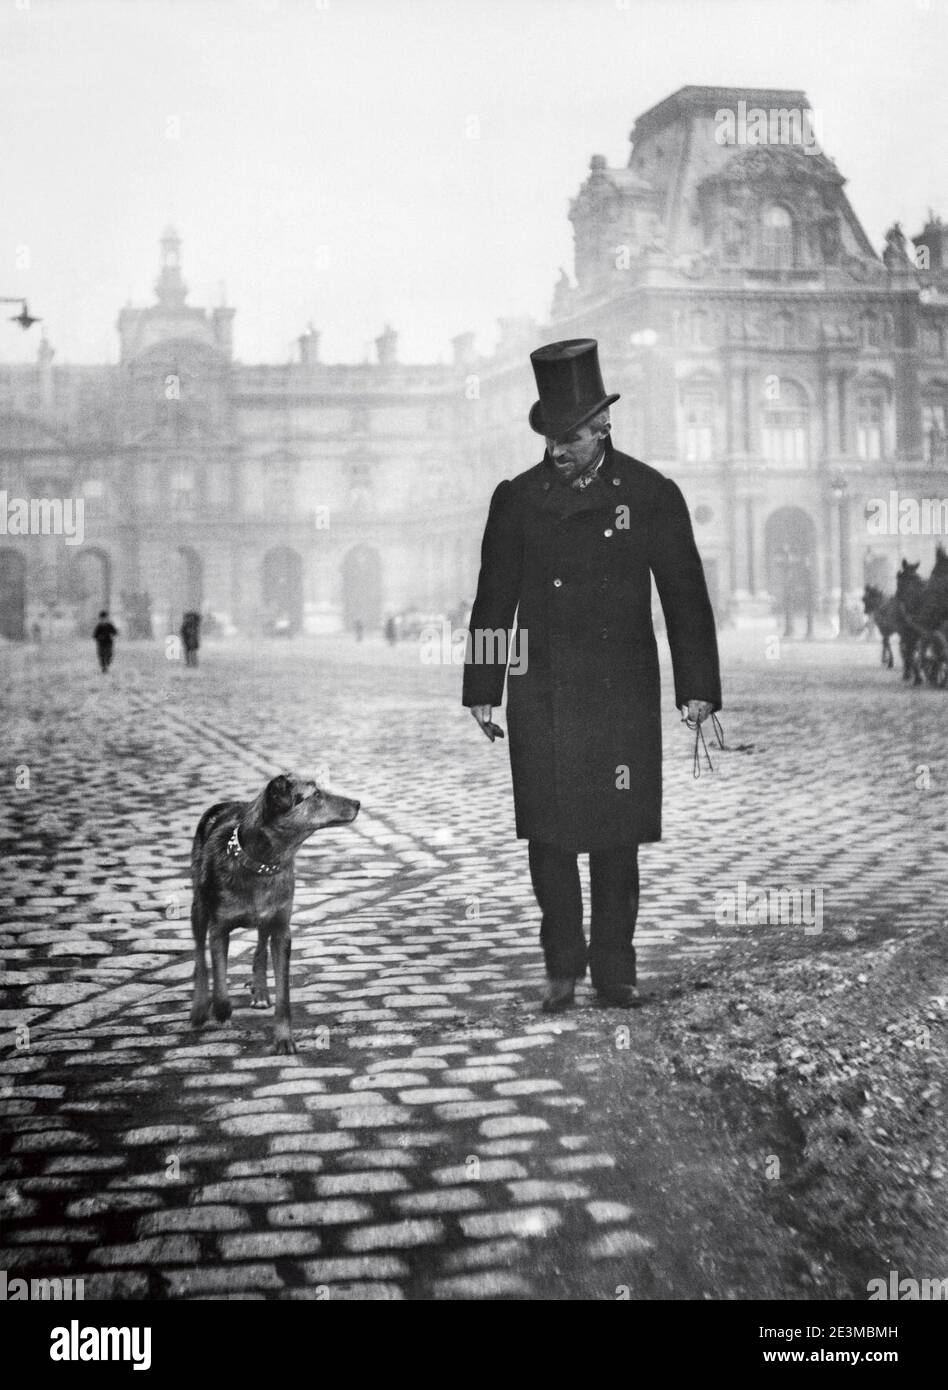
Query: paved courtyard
(436, 1136)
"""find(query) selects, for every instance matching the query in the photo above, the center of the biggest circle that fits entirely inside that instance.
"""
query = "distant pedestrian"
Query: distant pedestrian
(391, 633)
(191, 637)
(104, 636)
(359, 629)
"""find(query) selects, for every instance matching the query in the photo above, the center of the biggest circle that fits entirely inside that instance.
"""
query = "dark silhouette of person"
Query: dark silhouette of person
(104, 637)
(191, 637)
(391, 633)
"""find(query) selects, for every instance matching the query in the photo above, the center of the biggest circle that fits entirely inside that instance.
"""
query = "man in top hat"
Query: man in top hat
(570, 548)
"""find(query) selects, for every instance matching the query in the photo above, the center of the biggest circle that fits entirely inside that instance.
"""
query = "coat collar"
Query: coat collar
(551, 495)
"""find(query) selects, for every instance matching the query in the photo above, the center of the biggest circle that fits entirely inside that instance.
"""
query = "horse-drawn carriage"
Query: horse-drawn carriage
(918, 614)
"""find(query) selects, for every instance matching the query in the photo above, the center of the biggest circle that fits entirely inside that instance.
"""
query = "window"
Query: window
(869, 330)
(785, 426)
(870, 424)
(783, 331)
(934, 431)
(776, 239)
(698, 418)
(280, 481)
(698, 330)
(182, 490)
(931, 340)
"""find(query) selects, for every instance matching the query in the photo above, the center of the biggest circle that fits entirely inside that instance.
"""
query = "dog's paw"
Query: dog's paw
(284, 1047)
(199, 1014)
(259, 999)
(222, 1010)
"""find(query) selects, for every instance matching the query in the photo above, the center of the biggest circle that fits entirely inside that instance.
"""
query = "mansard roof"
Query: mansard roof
(705, 101)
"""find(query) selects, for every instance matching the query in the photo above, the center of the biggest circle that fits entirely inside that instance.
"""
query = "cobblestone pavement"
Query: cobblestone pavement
(436, 1137)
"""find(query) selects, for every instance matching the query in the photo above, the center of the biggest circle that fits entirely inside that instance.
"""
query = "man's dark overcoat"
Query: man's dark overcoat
(584, 718)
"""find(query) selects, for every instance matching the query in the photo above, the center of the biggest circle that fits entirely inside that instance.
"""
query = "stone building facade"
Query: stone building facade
(769, 358)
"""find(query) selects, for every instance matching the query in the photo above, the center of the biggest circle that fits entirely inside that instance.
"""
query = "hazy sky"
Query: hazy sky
(324, 167)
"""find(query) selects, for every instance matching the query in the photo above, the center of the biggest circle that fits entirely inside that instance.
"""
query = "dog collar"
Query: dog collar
(235, 850)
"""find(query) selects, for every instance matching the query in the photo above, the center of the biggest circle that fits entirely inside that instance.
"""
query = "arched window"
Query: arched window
(697, 413)
(871, 409)
(785, 425)
(776, 238)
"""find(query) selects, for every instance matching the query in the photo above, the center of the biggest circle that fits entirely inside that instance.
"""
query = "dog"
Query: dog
(243, 876)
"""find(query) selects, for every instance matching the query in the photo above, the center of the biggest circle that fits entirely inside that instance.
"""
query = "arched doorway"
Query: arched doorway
(362, 587)
(12, 595)
(92, 591)
(282, 585)
(790, 558)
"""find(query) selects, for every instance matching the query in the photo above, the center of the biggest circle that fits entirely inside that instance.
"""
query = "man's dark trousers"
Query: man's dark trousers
(614, 900)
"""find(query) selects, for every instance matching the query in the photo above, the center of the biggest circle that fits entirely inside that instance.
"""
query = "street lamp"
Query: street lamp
(840, 491)
(24, 318)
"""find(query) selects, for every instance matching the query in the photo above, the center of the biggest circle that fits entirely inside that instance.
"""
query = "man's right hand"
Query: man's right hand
(482, 714)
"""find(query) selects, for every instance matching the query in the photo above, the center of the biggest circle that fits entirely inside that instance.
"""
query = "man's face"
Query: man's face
(574, 452)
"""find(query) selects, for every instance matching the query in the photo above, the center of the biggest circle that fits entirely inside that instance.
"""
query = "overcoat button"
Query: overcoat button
(615, 482)
(546, 487)
(557, 583)
(608, 531)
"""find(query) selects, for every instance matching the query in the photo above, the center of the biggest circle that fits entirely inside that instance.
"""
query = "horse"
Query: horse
(882, 609)
(909, 593)
(932, 617)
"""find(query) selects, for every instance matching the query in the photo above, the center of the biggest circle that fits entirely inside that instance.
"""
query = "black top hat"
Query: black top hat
(570, 385)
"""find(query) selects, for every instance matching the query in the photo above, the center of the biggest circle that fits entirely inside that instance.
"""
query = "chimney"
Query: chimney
(463, 345)
(309, 346)
(386, 346)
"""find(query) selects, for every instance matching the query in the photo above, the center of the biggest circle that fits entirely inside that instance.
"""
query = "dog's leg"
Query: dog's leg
(259, 998)
(220, 940)
(199, 1006)
(280, 950)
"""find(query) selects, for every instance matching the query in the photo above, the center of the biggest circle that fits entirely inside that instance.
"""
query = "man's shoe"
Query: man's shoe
(559, 996)
(620, 996)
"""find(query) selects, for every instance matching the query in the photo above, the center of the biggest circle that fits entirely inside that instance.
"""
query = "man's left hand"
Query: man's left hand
(697, 711)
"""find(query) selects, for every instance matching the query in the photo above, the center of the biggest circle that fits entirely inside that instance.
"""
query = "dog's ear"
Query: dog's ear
(278, 797)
